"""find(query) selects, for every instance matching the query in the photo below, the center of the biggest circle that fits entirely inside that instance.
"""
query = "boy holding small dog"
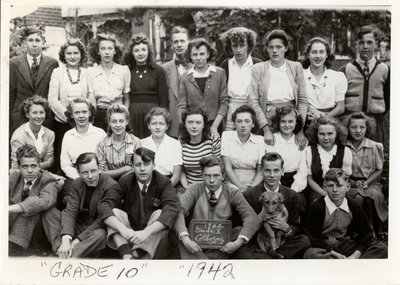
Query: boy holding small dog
(337, 227)
(295, 244)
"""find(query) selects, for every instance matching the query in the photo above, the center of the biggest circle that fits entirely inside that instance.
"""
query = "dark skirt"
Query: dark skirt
(100, 120)
(137, 114)
(59, 130)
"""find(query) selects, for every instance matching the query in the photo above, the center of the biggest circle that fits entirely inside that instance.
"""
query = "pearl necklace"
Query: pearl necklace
(141, 74)
(70, 78)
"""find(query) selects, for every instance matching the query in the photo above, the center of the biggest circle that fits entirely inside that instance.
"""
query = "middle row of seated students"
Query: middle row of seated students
(330, 146)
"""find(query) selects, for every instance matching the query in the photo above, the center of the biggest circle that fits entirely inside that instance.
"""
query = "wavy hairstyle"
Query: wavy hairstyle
(285, 110)
(27, 150)
(34, 100)
(158, 111)
(95, 43)
(197, 43)
(72, 42)
(312, 131)
(275, 34)
(238, 35)
(184, 136)
(138, 39)
(330, 56)
(117, 109)
(359, 116)
(78, 100)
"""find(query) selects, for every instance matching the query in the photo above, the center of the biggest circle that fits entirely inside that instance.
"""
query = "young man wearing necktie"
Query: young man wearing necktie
(139, 228)
(215, 200)
(368, 82)
(29, 75)
(32, 191)
(173, 70)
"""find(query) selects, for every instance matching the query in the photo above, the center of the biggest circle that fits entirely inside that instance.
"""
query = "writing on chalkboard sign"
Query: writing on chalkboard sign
(210, 233)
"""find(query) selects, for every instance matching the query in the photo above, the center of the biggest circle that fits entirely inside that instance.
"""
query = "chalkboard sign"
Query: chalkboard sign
(210, 233)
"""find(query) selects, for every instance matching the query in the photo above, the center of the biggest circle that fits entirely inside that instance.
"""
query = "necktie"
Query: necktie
(183, 62)
(143, 191)
(366, 68)
(34, 69)
(212, 199)
(25, 190)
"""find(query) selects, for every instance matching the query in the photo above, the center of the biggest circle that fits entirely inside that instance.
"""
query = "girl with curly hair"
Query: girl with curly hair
(35, 110)
(109, 81)
(148, 86)
(327, 138)
(204, 85)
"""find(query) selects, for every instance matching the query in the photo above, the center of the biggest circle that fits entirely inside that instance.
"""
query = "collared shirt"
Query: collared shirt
(239, 78)
(74, 144)
(326, 158)
(32, 182)
(109, 90)
(332, 207)
(330, 89)
(141, 185)
(367, 158)
(112, 157)
(211, 68)
(168, 154)
(30, 59)
(217, 192)
(243, 155)
(274, 190)
(371, 63)
(37, 141)
(280, 89)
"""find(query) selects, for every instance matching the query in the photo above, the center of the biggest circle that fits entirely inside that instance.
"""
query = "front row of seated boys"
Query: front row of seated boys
(142, 217)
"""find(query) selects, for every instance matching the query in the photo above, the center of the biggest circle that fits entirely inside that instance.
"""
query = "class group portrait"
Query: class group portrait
(193, 133)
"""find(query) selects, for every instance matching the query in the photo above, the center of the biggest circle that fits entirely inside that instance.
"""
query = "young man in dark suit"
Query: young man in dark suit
(79, 231)
(148, 212)
(30, 74)
(32, 191)
(295, 243)
(173, 70)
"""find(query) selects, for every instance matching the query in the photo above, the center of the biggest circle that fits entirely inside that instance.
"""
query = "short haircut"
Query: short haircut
(238, 35)
(359, 116)
(117, 109)
(138, 39)
(34, 100)
(197, 43)
(368, 29)
(158, 111)
(72, 42)
(184, 134)
(285, 110)
(312, 131)
(276, 34)
(33, 30)
(78, 100)
(84, 158)
(271, 156)
(178, 30)
(146, 154)
(95, 43)
(330, 56)
(210, 161)
(244, 109)
(334, 174)
(27, 150)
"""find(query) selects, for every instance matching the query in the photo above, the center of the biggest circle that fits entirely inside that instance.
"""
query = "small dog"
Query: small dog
(270, 240)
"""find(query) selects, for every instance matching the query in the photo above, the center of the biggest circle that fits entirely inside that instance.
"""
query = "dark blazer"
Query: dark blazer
(21, 85)
(358, 228)
(97, 211)
(160, 195)
(42, 196)
(252, 196)
(225, 65)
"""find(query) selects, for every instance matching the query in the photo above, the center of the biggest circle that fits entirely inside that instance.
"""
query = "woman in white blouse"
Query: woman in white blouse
(168, 150)
(325, 87)
(242, 151)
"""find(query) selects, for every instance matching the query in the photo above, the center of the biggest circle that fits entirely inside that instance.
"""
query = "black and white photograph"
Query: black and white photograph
(165, 143)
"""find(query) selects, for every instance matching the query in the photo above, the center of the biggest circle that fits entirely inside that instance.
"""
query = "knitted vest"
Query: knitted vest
(316, 167)
(366, 93)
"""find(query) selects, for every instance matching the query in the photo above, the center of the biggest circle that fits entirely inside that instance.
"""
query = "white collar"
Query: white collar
(217, 193)
(141, 185)
(310, 76)
(275, 190)
(291, 140)
(30, 58)
(89, 131)
(332, 207)
(331, 152)
(251, 139)
(33, 182)
(372, 61)
(281, 68)
(249, 61)
(28, 130)
(211, 68)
